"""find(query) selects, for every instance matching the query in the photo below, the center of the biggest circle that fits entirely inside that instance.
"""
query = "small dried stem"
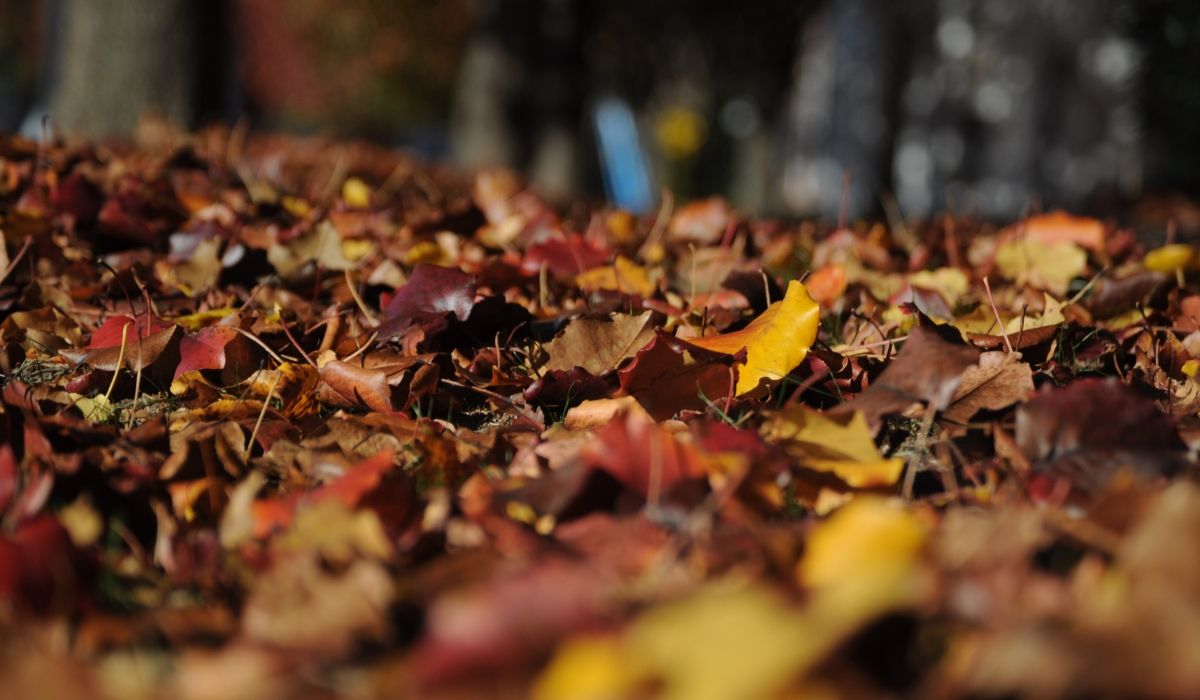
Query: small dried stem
(120, 360)
(991, 301)
(261, 415)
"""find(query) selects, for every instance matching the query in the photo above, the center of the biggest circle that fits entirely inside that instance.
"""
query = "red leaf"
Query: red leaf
(9, 477)
(430, 294)
(564, 257)
(643, 456)
(350, 489)
(205, 349)
(108, 335)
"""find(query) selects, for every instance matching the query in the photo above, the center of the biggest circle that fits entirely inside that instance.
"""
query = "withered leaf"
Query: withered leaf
(599, 344)
(928, 370)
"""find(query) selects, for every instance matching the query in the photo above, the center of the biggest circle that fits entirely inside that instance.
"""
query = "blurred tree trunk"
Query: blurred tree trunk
(121, 58)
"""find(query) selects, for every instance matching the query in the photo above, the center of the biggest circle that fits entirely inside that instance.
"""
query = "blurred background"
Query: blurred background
(867, 107)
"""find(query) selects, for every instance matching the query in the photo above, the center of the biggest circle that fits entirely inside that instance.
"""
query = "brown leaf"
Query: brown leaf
(928, 370)
(600, 344)
(667, 377)
(1093, 429)
(998, 381)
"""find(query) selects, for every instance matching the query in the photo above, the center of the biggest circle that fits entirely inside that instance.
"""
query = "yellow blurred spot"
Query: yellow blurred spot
(1191, 367)
(521, 512)
(589, 668)
(423, 252)
(620, 226)
(356, 193)
(356, 249)
(296, 207)
(723, 644)
(680, 131)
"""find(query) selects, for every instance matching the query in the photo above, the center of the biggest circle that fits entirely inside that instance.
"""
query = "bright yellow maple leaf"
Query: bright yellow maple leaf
(776, 342)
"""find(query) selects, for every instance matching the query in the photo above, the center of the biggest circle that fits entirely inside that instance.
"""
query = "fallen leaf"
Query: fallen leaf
(565, 257)
(1059, 226)
(647, 460)
(599, 345)
(998, 381)
(841, 444)
(427, 298)
(623, 276)
(863, 561)
(668, 376)
(321, 244)
(928, 370)
(1092, 429)
(775, 343)
(1047, 266)
(722, 643)
(703, 222)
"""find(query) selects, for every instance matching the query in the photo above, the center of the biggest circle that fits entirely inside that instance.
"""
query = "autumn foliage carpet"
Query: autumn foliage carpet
(289, 419)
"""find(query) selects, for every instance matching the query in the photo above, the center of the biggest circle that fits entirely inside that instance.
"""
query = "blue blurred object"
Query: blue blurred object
(626, 174)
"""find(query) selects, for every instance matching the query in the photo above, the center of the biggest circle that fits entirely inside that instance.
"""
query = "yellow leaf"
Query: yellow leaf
(862, 561)
(1169, 258)
(840, 445)
(338, 533)
(1048, 266)
(624, 275)
(809, 433)
(861, 475)
(200, 319)
(322, 244)
(950, 282)
(1191, 368)
(723, 644)
(423, 252)
(983, 320)
(97, 409)
(293, 384)
(296, 207)
(588, 668)
(776, 342)
(356, 249)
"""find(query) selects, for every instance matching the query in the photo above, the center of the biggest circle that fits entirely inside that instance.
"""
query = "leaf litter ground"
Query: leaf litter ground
(286, 418)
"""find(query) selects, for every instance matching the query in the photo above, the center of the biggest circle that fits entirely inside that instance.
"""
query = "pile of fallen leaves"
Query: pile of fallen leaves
(285, 419)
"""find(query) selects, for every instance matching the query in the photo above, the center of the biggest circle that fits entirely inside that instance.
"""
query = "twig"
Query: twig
(987, 287)
(261, 415)
(120, 360)
(660, 222)
(292, 338)
(12, 265)
(358, 301)
(260, 343)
